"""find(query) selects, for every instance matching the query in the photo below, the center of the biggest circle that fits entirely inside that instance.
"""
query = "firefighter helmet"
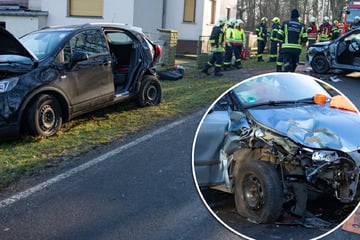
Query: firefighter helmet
(222, 20)
(264, 19)
(326, 19)
(276, 20)
(312, 19)
(357, 18)
(232, 21)
(239, 21)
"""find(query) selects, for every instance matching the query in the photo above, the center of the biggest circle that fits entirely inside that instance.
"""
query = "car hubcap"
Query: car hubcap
(151, 93)
(47, 116)
(253, 192)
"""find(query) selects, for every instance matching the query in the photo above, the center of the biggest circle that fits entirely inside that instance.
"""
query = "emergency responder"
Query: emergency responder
(262, 35)
(293, 35)
(239, 42)
(274, 40)
(335, 30)
(312, 31)
(355, 24)
(229, 39)
(325, 30)
(217, 48)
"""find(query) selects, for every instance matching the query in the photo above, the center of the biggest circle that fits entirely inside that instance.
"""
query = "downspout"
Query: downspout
(163, 19)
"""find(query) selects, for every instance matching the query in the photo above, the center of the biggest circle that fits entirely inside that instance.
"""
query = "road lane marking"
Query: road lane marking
(24, 194)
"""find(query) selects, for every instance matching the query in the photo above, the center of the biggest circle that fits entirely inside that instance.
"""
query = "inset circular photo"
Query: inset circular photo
(277, 156)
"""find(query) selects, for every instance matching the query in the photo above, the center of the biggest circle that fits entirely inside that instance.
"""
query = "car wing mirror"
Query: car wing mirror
(78, 56)
(236, 116)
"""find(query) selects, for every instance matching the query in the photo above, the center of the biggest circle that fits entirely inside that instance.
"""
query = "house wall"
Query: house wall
(121, 11)
(19, 25)
(192, 35)
(148, 15)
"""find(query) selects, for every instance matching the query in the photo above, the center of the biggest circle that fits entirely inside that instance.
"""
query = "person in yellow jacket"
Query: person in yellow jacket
(239, 42)
(275, 42)
(262, 36)
(217, 49)
(229, 38)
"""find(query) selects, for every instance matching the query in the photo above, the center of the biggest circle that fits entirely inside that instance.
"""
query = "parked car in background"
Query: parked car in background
(54, 74)
(276, 141)
(342, 53)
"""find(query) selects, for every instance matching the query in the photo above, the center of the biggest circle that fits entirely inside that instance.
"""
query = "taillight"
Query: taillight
(158, 52)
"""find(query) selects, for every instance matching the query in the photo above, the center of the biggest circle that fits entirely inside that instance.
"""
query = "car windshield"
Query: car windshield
(43, 43)
(352, 13)
(273, 88)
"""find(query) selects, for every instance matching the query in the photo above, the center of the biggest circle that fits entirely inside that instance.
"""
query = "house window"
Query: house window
(189, 10)
(213, 12)
(227, 13)
(86, 8)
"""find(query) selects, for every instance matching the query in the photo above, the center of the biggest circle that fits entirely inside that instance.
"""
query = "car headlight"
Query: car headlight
(8, 84)
(312, 51)
(324, 156)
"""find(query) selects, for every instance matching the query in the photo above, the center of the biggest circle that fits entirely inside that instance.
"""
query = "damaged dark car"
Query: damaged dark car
(277, 142)
(340, 54)
(54, 74)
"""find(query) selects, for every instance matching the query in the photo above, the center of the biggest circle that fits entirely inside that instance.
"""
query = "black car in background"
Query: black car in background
(342, 53)
(54, 74)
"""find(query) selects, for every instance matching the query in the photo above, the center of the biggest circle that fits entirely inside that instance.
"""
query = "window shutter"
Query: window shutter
(89, 8)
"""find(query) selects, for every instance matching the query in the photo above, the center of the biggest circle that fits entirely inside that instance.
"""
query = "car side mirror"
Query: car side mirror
(78, 56)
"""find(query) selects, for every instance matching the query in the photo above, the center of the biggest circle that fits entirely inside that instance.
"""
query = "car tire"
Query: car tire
(258, 192)
(44, 116)
(320, 64)
(149, 93)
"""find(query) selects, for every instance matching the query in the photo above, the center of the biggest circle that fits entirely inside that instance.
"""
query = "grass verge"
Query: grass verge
(28, 155)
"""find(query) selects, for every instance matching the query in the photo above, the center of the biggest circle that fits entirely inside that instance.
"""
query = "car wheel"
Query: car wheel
(44, 116)
(258, 192)
(320, 64)
(150, 92)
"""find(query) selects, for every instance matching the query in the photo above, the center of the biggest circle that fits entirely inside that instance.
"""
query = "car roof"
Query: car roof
(76, 27)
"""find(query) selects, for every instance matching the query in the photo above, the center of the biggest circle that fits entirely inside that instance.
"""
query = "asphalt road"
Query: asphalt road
(145, 191)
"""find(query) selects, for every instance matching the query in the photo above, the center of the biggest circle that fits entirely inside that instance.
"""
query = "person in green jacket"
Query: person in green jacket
(239, 42)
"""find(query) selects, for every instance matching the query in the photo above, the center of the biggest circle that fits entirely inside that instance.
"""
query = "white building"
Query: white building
(191, 18)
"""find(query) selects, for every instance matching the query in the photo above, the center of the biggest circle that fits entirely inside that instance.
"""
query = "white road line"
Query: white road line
(6, 202)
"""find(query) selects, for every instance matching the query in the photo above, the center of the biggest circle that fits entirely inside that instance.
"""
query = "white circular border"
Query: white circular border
(194, 142)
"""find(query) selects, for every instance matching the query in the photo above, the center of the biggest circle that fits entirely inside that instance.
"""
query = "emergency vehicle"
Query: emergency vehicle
(350, 11)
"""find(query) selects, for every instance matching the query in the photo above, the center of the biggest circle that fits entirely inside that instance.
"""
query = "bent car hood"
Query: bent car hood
(314, 126)
(321, 44)
(11, 45)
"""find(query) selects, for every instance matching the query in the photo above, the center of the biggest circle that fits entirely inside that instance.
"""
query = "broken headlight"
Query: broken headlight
(324, 156)
(8, 84)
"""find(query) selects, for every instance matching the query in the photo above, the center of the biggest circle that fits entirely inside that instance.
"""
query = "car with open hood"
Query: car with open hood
(54, 74)
(277, 141)
(342, 53)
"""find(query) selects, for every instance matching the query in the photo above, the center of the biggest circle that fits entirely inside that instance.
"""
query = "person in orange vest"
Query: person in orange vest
(335, 30)
(312, 31)
(325, 30)
(239, 42)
